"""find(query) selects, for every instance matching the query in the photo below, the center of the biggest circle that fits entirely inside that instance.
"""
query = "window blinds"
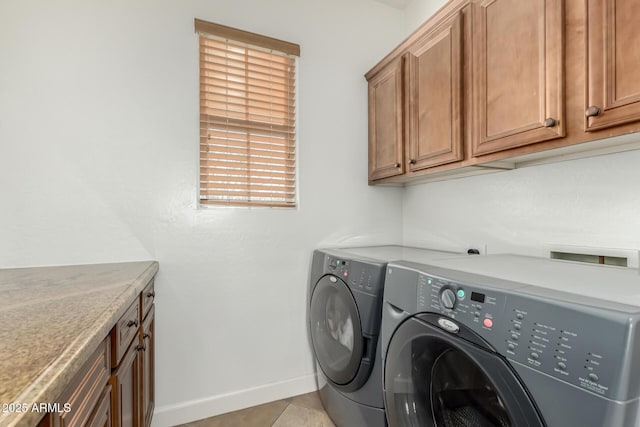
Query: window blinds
(247, 119)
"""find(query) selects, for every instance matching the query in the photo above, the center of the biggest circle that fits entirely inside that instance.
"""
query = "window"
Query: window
(247, 118)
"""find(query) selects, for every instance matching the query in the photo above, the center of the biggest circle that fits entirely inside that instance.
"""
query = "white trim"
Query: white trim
(185, 412)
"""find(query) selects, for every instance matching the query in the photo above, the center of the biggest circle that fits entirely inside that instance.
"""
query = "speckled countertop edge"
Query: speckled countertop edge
(56, 377)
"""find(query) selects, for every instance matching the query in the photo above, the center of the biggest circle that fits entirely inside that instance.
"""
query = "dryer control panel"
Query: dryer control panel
(584, 346)
(364, 277)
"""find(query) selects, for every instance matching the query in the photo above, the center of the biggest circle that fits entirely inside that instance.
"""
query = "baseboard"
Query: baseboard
(171, 415)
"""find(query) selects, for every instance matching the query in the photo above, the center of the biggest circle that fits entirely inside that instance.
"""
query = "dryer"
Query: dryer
(345, 309)
(511, 341)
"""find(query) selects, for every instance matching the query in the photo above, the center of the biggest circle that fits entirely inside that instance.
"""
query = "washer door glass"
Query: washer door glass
(336, 332)
(435, 378)
(461, 394)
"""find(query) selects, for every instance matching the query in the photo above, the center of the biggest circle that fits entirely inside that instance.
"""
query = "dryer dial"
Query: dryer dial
(448, 298)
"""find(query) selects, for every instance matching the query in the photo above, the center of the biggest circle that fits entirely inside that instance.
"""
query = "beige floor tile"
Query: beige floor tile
(309, 400)
(297, 416)
(258, 416)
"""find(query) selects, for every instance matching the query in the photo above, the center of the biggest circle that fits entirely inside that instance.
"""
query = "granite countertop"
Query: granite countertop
(51, 321)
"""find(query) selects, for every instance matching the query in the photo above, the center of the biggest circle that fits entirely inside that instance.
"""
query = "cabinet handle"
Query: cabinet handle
(593, 111)
(550, 122)
(132, 323)
(412, 162)
(397, 165)
(151, 294)
(141, 348)
(145, 336)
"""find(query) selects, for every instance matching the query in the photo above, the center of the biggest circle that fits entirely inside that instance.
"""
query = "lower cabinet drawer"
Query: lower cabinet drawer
(85, 393)
(124, 332)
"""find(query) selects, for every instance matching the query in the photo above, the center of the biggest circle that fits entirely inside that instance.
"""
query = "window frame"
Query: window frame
(209, 30)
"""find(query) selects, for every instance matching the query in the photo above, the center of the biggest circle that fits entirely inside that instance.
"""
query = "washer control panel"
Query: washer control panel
(569, 344)
(475, 308)
(584, 346)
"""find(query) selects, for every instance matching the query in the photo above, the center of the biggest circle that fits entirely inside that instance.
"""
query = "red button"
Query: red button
(488, 323)
(345, 274)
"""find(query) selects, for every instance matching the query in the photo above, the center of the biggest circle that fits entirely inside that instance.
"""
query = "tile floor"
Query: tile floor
(300, 411)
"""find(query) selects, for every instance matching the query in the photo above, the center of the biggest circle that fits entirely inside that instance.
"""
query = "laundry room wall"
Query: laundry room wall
(588, 205)
(99, 163)
(573, 205)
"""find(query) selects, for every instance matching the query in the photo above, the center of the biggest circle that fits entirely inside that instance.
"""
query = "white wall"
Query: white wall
(98, 163)
(418, 11)
(588, 203)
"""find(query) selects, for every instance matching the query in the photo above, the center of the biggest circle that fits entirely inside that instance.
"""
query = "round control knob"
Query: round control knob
(448, 298)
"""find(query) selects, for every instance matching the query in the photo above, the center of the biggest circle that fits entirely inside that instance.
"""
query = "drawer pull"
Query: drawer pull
(145, 336)
(151, 294)
(141, 348)
(132, 323)
(550, 122)
(412, 162)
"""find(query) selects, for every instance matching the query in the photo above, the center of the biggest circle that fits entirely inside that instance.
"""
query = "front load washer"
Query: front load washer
(510, 341)
(345, 310)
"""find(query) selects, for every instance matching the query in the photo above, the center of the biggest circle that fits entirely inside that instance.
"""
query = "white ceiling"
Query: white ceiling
(398, 4)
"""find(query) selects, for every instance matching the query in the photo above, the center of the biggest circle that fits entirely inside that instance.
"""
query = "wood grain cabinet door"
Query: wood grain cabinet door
(386, 137)
(148, 368)
(434, 91)
(613, 64)
(518, 64)
(127, 385)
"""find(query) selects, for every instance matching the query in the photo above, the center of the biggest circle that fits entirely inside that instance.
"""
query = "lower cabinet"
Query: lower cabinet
(83, 402)
(147, 371)
(116, 386)
(126, 381)
(103, 416)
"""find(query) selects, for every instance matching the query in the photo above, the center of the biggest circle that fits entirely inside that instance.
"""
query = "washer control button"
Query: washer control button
(517, 326)
(476, 314)
(448, 325)
(535, 356)
(562, 365)
(487, 322)
(511, 346)
(520, 316)
(514, 337)
(593, 377)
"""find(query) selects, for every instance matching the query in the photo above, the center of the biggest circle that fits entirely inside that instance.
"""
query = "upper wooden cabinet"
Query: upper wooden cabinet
(518, 54)
(486, 85)
(386, 132)
(434, 97)
(613, 63)
(415, 102)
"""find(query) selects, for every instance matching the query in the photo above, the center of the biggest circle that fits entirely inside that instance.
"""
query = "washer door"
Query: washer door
(437, 378)
(336, 332)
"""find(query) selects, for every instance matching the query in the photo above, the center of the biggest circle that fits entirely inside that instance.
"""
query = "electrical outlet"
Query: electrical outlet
(481, 248)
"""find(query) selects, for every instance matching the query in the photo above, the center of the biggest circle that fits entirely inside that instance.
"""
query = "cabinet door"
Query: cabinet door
(386, 138)
(434, 119)
(148, 368)
(613, 65)
(103, 415)
(127, 385)
(518, 57)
